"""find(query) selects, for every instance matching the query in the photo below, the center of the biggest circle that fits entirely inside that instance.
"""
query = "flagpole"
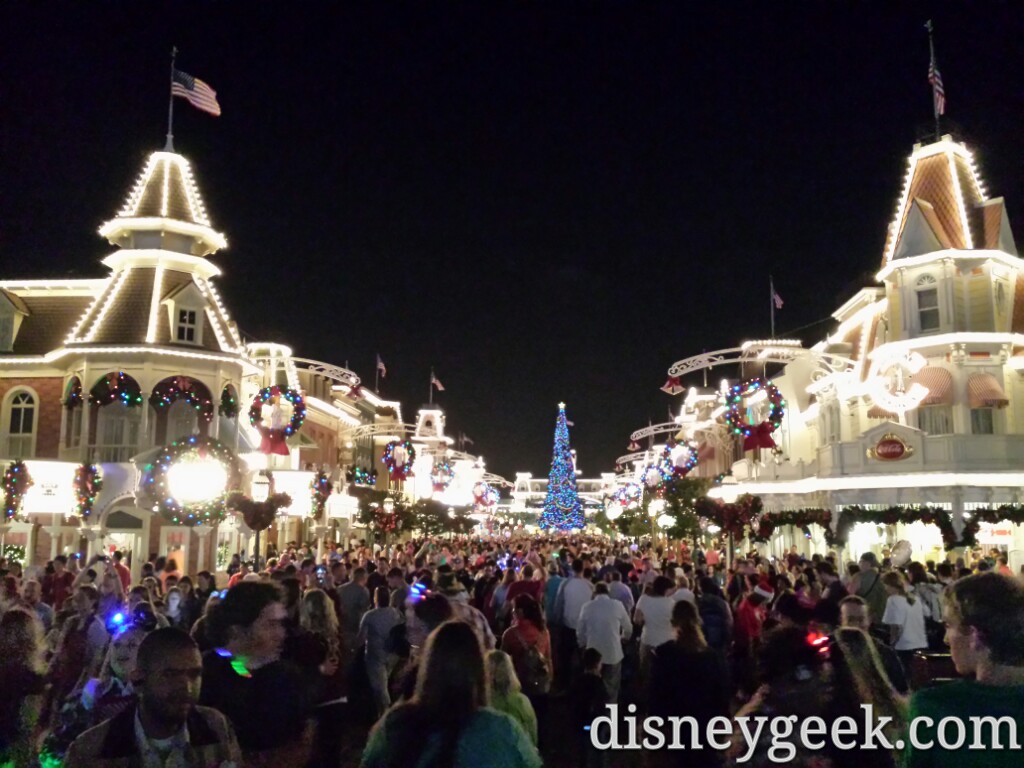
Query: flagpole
(430, 388)
(169, 146)
(771, 301)
(376, 376)
(935, 103)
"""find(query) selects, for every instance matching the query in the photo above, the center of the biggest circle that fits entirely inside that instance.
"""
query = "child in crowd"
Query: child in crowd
(590, 697)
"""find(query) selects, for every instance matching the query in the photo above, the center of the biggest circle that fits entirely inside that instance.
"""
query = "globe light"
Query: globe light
(656, 507)
(451, 512)
(194, 482)
(713, 528)
(389, 505)
(665, 521)
(730, 490)
(613, 511)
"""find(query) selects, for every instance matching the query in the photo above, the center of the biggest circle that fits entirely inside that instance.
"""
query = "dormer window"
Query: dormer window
(188, 322)
(927, 291)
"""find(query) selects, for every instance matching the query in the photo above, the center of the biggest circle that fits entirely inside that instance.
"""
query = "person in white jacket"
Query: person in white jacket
(604, 625)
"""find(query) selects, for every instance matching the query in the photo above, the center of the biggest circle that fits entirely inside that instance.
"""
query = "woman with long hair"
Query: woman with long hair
(319, 618)
(507, 693)
(528, 643)
(174, 609)
(689, 679)
(448, 723)
(860, 679)
(23, 682)
(905, 616)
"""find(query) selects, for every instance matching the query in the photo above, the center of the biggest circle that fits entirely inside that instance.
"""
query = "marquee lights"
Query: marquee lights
(154, 303)
(105, 307)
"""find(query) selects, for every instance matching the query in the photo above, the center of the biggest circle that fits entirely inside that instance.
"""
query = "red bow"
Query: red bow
(759, 437)
(672, 386)
(355, 391)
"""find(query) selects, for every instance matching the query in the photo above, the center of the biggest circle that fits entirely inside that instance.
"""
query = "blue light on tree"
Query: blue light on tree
(562, 507)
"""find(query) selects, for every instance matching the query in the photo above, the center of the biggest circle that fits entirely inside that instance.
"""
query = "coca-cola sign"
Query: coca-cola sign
(890, 448)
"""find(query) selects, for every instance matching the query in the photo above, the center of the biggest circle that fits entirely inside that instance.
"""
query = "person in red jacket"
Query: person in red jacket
(749, 621)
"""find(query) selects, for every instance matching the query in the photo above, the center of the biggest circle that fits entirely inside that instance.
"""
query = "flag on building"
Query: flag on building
(938, 93)
(436, 382)
(195, 91)
(776, 299)
(381, 368)
(464, 438)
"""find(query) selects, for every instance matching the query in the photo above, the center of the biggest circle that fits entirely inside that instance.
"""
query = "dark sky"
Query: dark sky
(544, 200)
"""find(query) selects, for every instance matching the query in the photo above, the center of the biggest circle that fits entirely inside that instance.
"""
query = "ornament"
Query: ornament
(750, 392)
(87, 486)
(672, 386)
(17, 481)
(276, 434)
(398, 458)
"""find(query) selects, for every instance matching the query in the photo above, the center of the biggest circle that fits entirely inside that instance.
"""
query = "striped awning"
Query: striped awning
(939, 382)
(985, 391)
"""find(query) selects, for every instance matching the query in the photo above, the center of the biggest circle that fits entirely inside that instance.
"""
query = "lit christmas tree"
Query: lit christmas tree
(562, 508)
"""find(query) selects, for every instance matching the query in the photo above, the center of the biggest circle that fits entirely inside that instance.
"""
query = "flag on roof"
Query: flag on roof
(195, 91)
(938, 92)
(436, 382)
(777, 299)
(381, 367)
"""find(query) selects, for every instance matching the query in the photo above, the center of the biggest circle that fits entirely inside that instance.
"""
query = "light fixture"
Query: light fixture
(193, 482)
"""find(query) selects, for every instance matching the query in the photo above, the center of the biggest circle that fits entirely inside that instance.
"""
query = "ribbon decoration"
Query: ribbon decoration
(672, 386)
(759, 437)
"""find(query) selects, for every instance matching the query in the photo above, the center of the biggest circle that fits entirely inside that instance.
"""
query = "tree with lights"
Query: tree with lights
(562, 507)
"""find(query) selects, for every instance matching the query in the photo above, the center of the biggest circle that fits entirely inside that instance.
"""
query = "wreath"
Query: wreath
(181, 387)
(274, 437)
(156, 488)
(87, 486)
(682, 462)
(228, 407)
(17, 481)
(660, 471)
(754, 435)
(442, 475)
(484, 496)
(398, 458)
(320, 489)
(627, 494)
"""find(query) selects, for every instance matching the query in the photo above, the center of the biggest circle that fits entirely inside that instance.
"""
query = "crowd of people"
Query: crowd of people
(495, 652)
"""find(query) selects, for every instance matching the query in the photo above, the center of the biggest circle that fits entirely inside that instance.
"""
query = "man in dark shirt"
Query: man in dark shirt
(854, 612)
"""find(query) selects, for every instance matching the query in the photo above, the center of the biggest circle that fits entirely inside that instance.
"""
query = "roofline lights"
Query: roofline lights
(1008, 260)
(57, 354)
(154, 304)
(149, 223)
(121, 278)
(869, 482)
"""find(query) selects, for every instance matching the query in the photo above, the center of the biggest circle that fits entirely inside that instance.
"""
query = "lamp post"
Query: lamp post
(730, 492)
(389, 509)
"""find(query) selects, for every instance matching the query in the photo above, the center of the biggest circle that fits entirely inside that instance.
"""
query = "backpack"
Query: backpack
(533, 670)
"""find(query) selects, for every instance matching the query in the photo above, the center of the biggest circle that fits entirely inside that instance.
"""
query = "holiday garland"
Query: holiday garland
(398, 458)
(169, 391)
(155, 482)
(754, 435)
(320, 489)
(362, 477)
(228, 407)
(735, 518)
(74, 398)
(17, 481)
(116, 387)
(258, 515)
(274, 437)
(87, 486)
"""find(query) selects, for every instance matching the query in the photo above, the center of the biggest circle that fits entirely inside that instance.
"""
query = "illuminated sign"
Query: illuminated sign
(891, 448)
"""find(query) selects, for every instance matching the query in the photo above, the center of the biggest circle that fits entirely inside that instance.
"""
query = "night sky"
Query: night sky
(543, 200)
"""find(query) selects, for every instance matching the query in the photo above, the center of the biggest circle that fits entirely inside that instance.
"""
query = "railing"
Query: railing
(113, 454)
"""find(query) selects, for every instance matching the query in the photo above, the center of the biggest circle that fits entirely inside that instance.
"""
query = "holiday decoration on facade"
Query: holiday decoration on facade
(484, 497)
(259, 515)
(17, 481)
(168, 391)
(276, 435)
(562, 508)
(672, 386)
(399, 458)
(229, 407)
(627, 495)
(116, 387)
(320, 489)
(658, 472)
(189, 480)
(362, 477)
(87, 486)
(442, 475)
(355, 392)
(683, 457)
(890, 382)
(746, 397)
(74, 397)
(736, 518)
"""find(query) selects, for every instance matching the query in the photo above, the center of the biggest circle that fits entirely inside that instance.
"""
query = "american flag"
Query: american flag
(381, 367)
(436, 382)
(938, 92)
(199, 94)
(777, 299)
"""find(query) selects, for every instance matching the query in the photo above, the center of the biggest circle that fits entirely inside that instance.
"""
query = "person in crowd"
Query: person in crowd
(984, 616)
(653, 613)
(456, 594)
(905, 617)
(551, 587)
(867, 583)
(374, 631)
(859, 680)
(354, 601)
(747, 629)
(31, 599)
(448, 721)
(190, 605)
(22, 683)
(81, 647)
(689, 679)
(166, 728)
(319, 620)
(605, 626)
(122, 571)
(589, 697)
(526, 584)
(715, 615)
(575, 592)
(506, 691)
(682, 589)
(267, 700)
(174, 609)
(170, 571)
(57, 585)
(853, 612)
(499, 607)
(619, 591)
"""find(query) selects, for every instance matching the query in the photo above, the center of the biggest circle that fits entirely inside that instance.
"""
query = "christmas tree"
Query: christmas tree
(562, 508)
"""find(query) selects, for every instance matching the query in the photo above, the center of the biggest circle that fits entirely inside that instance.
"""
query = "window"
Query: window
(22, 426)
(982, 421)
(935, 419)
(117, 432)
(187, 325)
(928, 304)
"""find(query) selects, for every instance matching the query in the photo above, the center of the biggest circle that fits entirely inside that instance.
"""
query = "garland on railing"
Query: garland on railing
(87, 486)
(735, 518)
(849, 516)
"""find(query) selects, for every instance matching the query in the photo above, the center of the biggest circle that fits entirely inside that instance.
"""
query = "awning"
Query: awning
(939, 382)
(878, 412)
(985, 391)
